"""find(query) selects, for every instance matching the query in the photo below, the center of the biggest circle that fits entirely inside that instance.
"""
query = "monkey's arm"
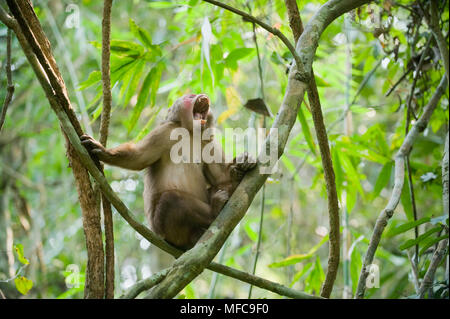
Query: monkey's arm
(133, 156)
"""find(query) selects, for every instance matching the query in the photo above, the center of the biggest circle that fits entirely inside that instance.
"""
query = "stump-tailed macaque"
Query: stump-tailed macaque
(181, 199)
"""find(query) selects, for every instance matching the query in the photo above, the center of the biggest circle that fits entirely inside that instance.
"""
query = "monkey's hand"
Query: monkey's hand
(218, 200)
(241, 165)
(94, 147)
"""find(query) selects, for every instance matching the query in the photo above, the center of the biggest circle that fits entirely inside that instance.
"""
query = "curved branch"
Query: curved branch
(388, 211)
(267, 27)
(191, 264)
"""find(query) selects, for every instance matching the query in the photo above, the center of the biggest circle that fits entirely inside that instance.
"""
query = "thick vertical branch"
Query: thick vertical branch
(388, 211)
(91, 226)
(296, 25)
(106, 76)
(9, 84)
(104, 126)
(38, 51)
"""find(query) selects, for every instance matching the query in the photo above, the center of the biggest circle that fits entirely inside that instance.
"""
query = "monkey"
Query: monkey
(181, 200)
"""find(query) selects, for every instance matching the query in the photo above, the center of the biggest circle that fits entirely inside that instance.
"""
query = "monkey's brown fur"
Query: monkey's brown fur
(181, 200)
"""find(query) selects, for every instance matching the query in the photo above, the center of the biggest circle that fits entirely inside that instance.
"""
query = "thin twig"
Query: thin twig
(410, 111)
(10, 85)
(415, 273)
(274, 31)
(263, 190)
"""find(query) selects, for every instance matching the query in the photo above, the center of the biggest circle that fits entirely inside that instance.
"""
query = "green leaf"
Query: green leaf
(23, 284)
(351, 172)
(301, 273)
(383, 179)
(352, 195)
(134, 82)
(407, 226)
(294, 259)
(155, 84)
(166, 4)
(126, 48)
(142, 99)
(119, 67)
(147, 126)
(359, 151)
(253, 235)
(141, 34)
(235, 55)
(306, 131)
(207, 36)
(355, 268)
(430, 242)
(338, 172)
(280, 7)
(405, 199)
(413, 242)
(315, 278)
(321, 81)
(19, 251)
(94, 77)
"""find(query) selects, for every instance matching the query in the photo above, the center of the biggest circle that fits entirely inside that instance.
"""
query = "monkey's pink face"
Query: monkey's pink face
(198, 106)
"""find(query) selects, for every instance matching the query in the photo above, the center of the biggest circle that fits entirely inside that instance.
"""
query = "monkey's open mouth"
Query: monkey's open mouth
(201, 108)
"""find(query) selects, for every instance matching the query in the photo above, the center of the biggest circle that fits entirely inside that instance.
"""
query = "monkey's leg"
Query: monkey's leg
(181, 218)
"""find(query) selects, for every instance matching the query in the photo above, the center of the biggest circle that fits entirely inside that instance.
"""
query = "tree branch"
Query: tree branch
(38, 51)
(145, 284)
(67, 125)
(104, 126)
(191, 264)
(106, 76)
(388, 211)
(435, 261)
(296, 25)
(433, 23)
(10, 85)
(445, 177)
(267, 27)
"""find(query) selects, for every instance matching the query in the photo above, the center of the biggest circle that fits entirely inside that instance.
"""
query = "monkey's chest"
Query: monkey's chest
(185, 177)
